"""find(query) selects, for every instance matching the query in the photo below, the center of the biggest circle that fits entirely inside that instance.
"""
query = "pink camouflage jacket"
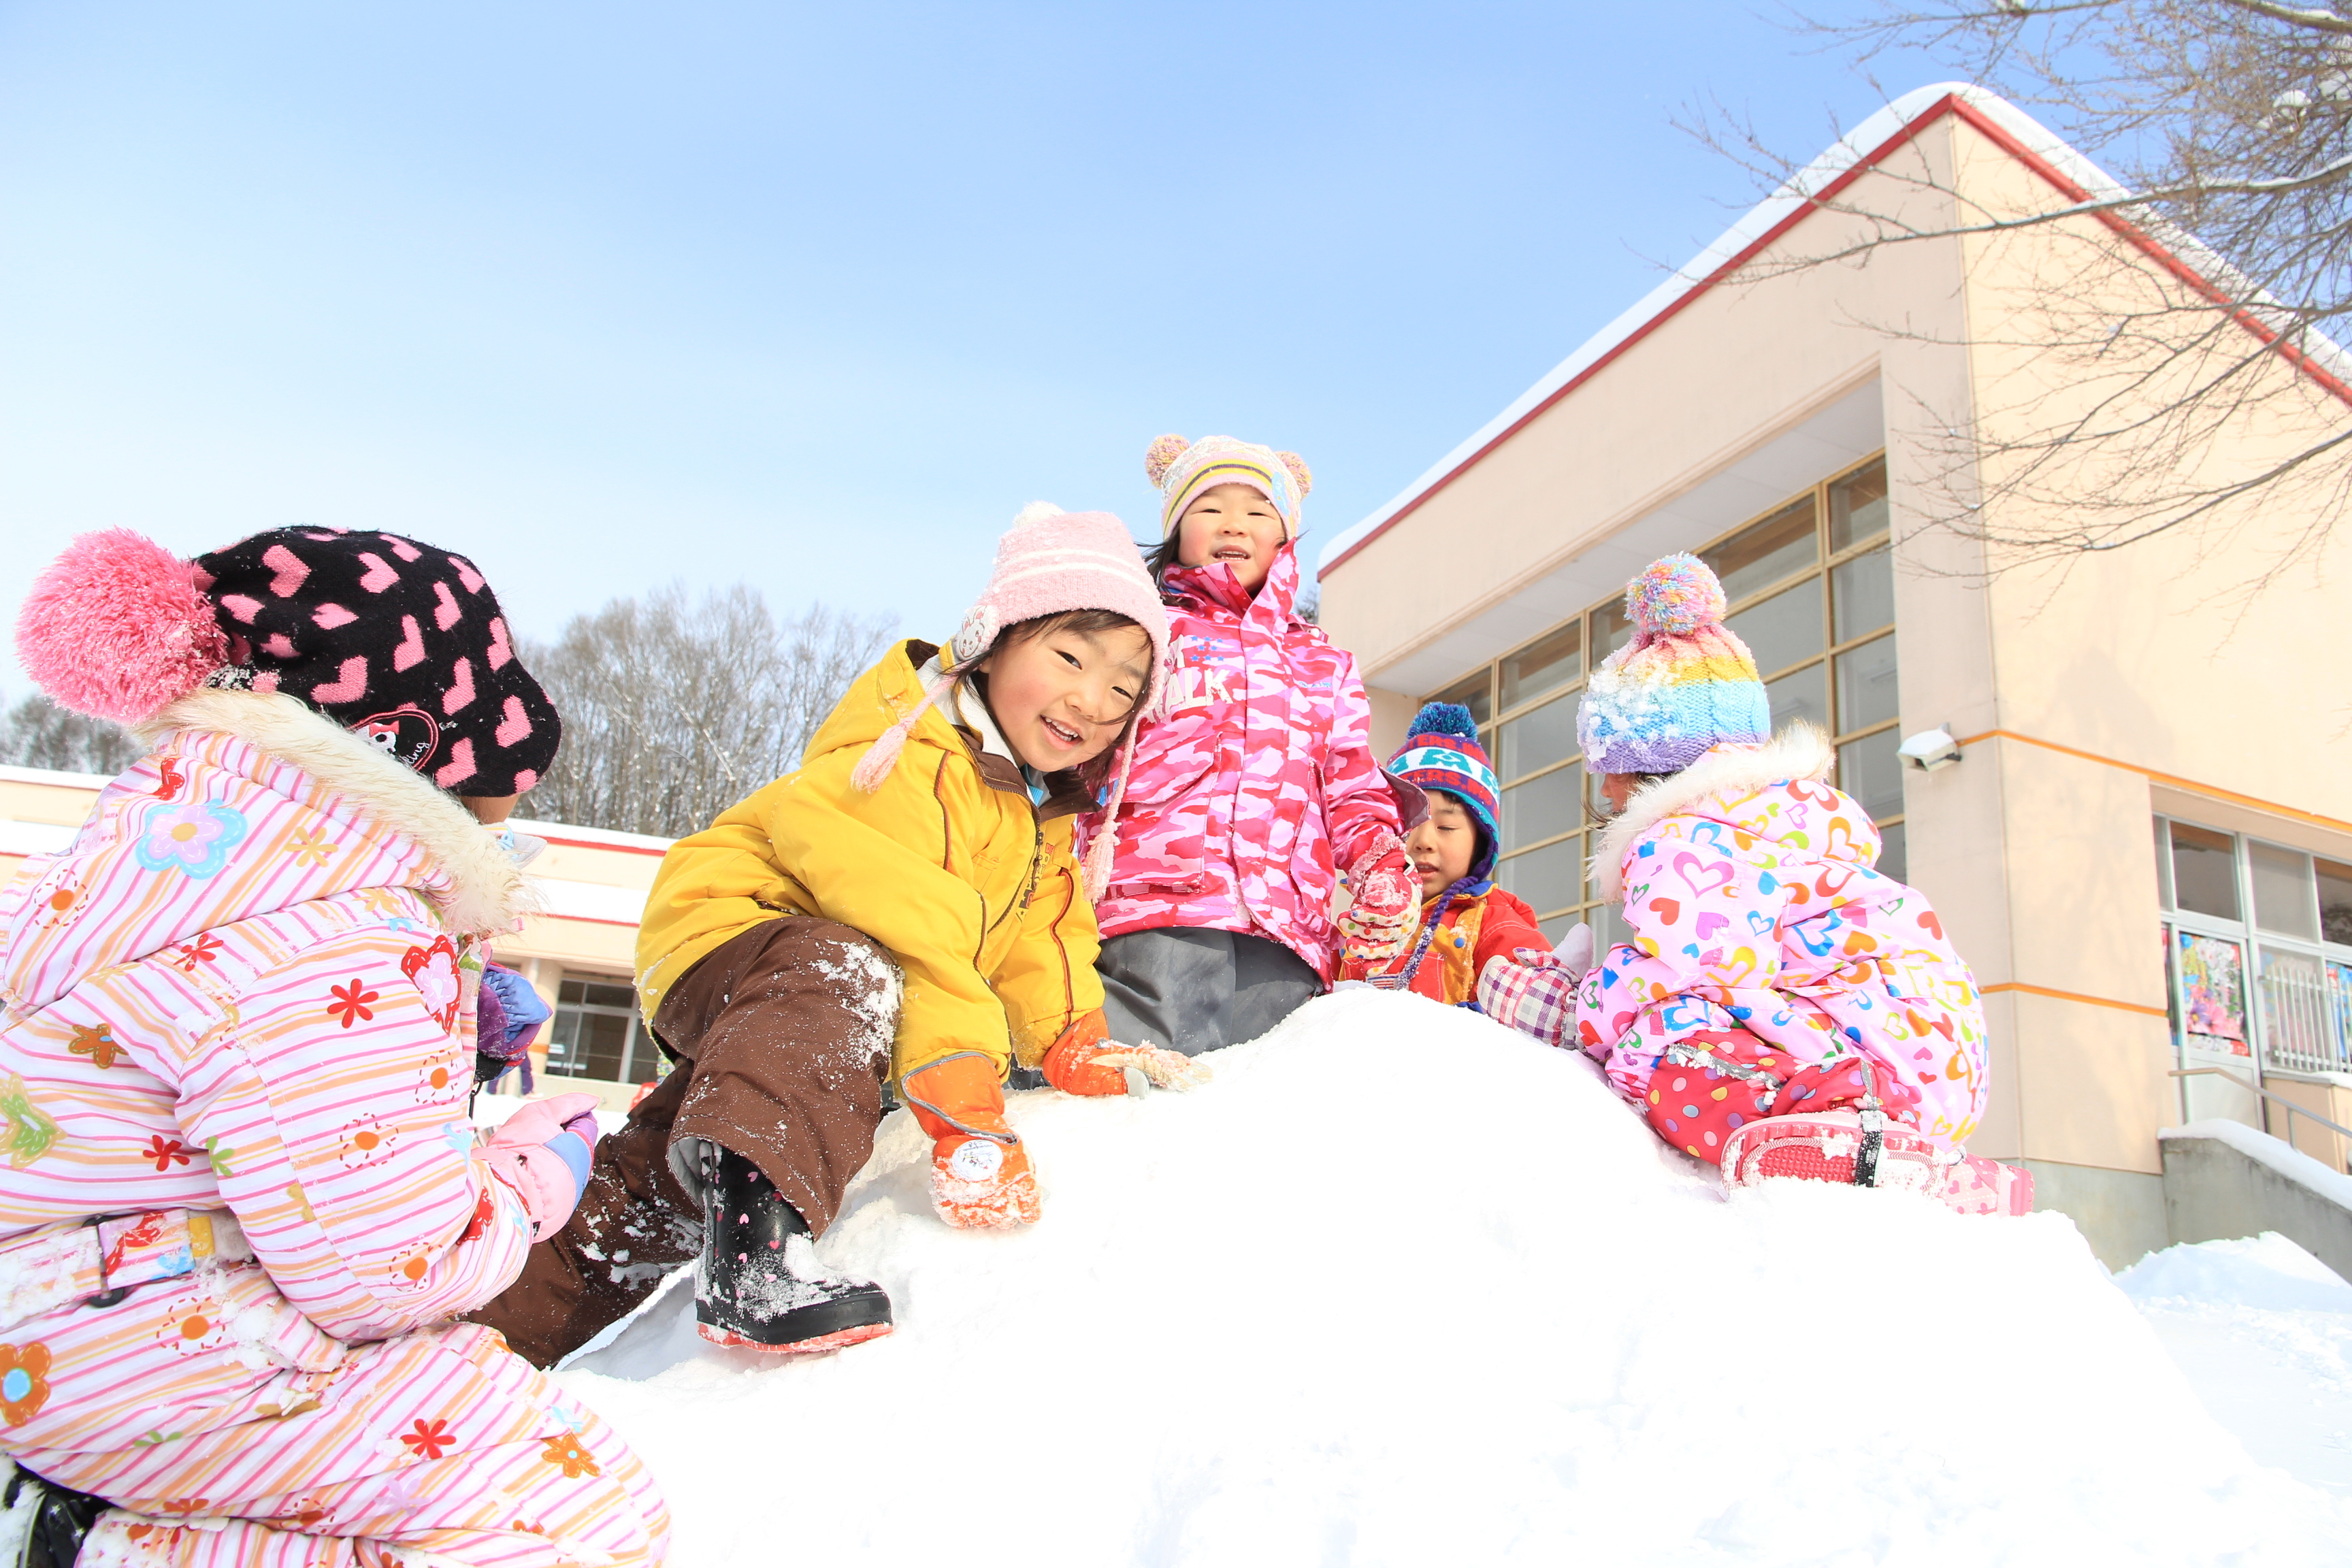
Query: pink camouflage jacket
(1750, 886)
(1259, 782)
(248, 986)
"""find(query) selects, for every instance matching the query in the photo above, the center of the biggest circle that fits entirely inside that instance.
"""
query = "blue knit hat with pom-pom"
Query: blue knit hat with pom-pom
(1442, 752)
(1684, 685)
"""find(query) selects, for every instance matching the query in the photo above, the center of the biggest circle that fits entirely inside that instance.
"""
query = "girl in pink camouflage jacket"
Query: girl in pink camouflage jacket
(1783, 1008)
(1253, 788)
(242, 1197)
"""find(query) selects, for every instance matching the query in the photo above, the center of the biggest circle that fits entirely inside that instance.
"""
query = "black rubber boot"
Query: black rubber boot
(61, 1518)
(759, 1285)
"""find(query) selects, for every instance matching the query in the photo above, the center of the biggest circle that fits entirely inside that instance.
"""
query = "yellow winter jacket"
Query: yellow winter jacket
(972, 888)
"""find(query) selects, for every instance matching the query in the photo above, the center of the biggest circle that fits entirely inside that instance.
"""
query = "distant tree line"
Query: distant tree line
(673, 709)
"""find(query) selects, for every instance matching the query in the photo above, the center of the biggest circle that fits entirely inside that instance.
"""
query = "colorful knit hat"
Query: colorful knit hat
(395, 640)
(1442, 752)
(1684, 684)
(1182, 469)
(1048, 562)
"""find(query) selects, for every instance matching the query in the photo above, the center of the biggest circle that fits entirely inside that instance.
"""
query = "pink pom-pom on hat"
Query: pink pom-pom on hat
(1674, 596)
(117, 629)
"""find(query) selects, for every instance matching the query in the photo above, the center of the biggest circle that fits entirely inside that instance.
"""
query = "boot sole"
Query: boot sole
(840, 1339)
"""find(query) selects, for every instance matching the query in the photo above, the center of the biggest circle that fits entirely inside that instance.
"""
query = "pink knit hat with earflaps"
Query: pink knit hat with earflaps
(1048, 562)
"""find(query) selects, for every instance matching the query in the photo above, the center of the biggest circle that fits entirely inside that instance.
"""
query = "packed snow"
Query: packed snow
(1401, 1287)
(2263, 1331)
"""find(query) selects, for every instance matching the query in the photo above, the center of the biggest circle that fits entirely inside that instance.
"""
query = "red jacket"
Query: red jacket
(1472, 929)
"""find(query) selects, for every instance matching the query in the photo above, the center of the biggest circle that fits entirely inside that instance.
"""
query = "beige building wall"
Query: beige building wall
(2090, 699)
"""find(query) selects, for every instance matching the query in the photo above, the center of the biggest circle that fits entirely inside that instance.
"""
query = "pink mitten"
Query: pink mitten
(543, 1152)
(1381, 889)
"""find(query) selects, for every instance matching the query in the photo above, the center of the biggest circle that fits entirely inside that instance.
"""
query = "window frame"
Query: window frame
(635, 1045)
(1825, 562)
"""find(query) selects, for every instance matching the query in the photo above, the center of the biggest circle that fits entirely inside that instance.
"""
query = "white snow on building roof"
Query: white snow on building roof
(1857, 145)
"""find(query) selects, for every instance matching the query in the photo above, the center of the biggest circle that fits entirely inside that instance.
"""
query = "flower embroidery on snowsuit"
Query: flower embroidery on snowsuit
(96, 1042)
(434, 972)
(351, 1003)
(569, 1454)
(194, 837)
(23, 1382)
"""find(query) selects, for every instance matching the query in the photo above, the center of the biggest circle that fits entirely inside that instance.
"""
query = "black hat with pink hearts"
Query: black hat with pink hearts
(394, 640)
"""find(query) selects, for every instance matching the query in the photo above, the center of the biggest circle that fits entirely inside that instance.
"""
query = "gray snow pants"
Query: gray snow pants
(1193, 990)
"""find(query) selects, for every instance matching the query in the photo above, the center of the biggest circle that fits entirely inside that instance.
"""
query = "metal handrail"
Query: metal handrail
(2292, 1110)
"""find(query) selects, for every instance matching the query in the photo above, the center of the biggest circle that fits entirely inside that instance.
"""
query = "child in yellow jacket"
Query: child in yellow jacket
(904, 910)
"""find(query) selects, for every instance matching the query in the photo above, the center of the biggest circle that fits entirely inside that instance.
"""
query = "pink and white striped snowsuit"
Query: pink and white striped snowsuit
(245, 992)
(1259, 782)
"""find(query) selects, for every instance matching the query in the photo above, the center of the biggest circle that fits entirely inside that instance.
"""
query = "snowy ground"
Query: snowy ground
(1402, 1288)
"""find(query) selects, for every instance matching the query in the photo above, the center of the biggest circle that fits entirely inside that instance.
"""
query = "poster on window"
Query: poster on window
(2339, 987)
(2211, 976)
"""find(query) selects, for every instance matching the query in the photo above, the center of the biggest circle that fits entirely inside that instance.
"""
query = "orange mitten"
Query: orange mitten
(979, 1173)
(1086, 1061)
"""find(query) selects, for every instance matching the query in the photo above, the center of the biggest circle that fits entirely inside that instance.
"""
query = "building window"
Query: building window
(2258, 954)
(1811, 590)
(596, 1033)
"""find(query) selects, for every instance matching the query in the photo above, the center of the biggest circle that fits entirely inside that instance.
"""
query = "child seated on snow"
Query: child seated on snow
(1783, 1008)
(1466, 922)
(245, 1196)
(904, 910)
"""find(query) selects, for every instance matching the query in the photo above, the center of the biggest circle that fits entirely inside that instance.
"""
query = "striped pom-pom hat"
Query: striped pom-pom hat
(1442, 752)
(1185, 470)
(1684, 684)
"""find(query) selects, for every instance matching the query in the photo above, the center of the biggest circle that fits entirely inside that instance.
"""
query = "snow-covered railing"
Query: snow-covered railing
(2292, 1110)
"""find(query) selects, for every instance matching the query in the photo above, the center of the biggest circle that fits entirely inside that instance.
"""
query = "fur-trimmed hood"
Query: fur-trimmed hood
(1727, 774)
(247, 804)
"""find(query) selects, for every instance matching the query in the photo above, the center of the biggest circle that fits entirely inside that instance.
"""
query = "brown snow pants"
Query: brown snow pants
(783, 1039)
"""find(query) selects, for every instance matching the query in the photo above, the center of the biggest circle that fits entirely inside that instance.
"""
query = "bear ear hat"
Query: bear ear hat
(118, 628)
(1162, 455)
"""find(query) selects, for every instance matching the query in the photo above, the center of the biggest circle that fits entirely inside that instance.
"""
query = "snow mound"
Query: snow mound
(1401, 1287)
(2263, 1331)
(2267, 1271)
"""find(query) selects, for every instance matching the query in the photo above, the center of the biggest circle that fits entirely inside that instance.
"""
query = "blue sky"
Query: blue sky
(813, 297)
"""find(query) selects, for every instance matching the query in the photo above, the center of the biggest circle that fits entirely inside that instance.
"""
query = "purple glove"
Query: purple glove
(507, 1015)
(544, 1152)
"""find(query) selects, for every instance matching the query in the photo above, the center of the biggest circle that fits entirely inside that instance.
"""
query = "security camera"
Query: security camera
(1929, 750)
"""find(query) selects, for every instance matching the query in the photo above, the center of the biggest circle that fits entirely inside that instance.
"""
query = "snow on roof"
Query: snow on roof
(1862, 146)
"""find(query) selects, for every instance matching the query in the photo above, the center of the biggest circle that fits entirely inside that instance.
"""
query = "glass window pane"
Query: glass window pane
(1549, 878)
(1892, 861)
(1784, 628)
(1804, 695)
(1862, 595)
(1869, 770)
(1865, 685)
(1542, 808)
(2164, 871)
(2282, 900)
(1858, 505)
(1473, 694)
(2205, 871)
(1556, 929)
(570, 991)
(608, 995)
(587, 1045)
(1612, 628)
(2334, 900)
(1759, 556)
(1544, 665)
(1535, 739)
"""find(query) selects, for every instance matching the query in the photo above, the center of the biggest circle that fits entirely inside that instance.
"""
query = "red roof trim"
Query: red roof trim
(1950, 103)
